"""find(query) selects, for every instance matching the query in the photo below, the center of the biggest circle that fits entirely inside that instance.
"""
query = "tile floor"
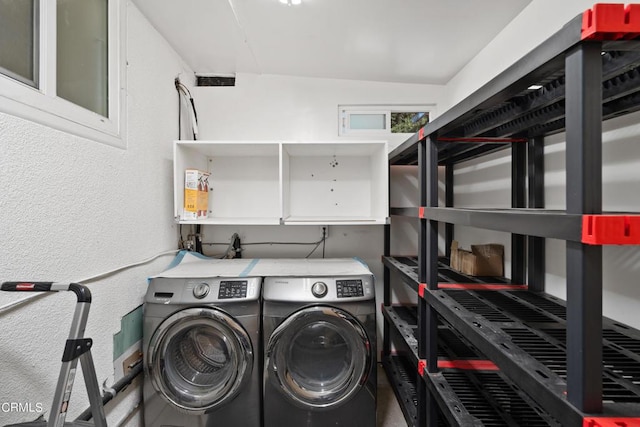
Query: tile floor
(389, 412)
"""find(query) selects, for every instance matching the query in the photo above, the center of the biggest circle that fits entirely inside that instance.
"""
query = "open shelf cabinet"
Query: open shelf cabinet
(244, 180)
(334, 182)
(291, 183)
(551, 362)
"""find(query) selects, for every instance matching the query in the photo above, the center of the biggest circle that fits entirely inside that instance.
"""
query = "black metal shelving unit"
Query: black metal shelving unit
(562, 362)
(475, 391)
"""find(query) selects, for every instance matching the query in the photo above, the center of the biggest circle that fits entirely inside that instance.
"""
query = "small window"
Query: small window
(19, 40)
(382, 120)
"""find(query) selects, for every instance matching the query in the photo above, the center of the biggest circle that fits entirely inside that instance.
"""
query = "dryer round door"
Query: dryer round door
(319, 357)
(199, 358)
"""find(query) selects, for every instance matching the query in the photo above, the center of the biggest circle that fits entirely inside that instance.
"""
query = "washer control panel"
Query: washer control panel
(232, 289)
(349, 288)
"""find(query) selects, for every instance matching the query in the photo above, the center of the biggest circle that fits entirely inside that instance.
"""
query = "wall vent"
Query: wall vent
(215, 81)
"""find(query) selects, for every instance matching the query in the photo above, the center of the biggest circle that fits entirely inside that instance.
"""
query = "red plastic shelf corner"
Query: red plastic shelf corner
(610, 422)
(611, 229)
(606, 21)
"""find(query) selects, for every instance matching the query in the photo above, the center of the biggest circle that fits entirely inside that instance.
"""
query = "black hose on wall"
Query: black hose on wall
(118, 387)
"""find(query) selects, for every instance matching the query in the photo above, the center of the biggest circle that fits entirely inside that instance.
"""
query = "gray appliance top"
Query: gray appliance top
(203, 290)
(188, 265)
(347, 288)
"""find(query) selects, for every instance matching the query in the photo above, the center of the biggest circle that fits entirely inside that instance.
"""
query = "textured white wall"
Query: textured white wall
(72, 208)
(486, 182)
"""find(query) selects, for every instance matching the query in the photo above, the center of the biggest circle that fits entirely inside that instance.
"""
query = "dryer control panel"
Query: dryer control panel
(341, 289)
(232, 289)
(349, 288)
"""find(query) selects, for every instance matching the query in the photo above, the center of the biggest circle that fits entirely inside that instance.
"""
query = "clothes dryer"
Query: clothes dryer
(201, 352)
(319, 351)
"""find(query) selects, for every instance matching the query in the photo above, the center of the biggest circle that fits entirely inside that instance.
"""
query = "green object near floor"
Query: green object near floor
(130, 332)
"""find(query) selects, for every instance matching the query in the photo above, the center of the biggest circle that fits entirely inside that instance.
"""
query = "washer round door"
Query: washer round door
(199, 359)
(319, 357)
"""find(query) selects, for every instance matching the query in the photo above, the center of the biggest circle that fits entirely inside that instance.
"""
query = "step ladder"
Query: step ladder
(76, 348)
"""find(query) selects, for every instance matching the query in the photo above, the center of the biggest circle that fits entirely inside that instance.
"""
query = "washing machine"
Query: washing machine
(319, 337)
(202, 357)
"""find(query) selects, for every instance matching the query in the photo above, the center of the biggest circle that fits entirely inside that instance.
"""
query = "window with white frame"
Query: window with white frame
(60, 65)
(382, 120)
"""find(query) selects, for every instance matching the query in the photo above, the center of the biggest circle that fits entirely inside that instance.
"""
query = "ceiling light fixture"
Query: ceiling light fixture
(535, 87)
(291, 2)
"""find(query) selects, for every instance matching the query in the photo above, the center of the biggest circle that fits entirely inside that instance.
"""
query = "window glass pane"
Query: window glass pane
(82, 65)
(18, 41)
(367, 121)
(408, 122)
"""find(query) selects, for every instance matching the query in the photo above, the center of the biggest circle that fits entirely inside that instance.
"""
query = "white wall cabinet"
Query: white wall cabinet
(273, 182)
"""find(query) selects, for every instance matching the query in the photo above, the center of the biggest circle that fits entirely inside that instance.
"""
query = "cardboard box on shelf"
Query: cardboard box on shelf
(196, 194)
(482, 260)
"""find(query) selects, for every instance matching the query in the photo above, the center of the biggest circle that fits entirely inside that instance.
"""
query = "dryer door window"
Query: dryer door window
(199, 358)
(319, 357)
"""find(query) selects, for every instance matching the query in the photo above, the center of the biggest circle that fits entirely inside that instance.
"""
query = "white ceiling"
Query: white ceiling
(410, 41)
